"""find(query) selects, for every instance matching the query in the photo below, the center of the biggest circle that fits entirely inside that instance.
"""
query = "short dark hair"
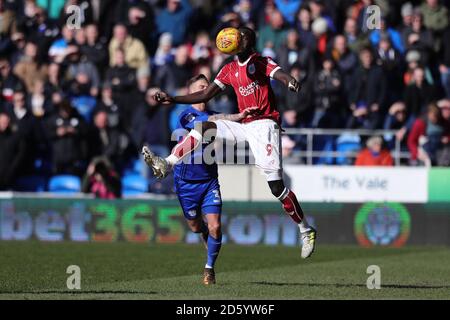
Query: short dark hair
(196, 78)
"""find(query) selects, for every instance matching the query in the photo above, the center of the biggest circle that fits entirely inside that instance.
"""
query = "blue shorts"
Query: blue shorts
(197, 197)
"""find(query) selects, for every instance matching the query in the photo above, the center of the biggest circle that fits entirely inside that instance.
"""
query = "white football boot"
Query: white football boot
(160, 166)
(308, 242)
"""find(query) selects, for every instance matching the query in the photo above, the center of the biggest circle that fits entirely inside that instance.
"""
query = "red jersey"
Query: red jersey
(251, 82)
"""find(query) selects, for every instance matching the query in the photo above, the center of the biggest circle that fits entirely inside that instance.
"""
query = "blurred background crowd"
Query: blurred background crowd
(79, 102)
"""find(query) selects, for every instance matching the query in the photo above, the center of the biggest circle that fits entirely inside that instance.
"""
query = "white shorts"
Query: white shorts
(264, 139)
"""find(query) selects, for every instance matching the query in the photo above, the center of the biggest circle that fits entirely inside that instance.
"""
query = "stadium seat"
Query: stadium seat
(30, 184)
(135, 167)
(66, 184)
(345, 144)
(133, 185)
(85, 106)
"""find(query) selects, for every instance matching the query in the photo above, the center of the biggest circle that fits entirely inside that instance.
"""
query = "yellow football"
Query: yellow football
(228, 40)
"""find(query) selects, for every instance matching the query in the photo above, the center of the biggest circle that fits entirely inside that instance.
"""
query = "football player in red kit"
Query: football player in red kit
(250, 77)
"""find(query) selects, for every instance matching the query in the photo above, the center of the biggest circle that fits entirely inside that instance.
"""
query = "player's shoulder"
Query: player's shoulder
(264, 60)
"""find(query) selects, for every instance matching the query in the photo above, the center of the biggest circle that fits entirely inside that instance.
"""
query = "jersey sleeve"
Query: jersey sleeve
(188, 120)
(223, 77)
(270, 66)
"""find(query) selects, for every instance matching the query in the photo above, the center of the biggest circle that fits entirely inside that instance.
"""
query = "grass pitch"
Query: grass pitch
(35, 270)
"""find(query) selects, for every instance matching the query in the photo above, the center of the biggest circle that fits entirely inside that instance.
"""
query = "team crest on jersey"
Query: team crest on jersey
(192, 213)
(251, 69)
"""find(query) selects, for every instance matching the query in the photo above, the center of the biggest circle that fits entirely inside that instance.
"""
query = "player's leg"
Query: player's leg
(161, 167)
(265, 143)
(292, 208)
(212, 209)
(190, 198)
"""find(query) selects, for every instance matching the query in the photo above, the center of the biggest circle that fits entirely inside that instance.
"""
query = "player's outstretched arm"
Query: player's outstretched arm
(288, 80)
(197, 97)
(235, 117)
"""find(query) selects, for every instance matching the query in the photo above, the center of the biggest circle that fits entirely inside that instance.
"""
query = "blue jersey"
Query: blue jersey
(192, 171)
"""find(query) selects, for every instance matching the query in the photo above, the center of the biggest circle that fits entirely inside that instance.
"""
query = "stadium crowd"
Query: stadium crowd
(77, 85)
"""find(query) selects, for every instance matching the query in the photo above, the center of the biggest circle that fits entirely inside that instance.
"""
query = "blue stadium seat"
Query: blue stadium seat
(85, 106)
(134, 184)
(135, 167)
(66, 184)
(345, 144)
(30, 184)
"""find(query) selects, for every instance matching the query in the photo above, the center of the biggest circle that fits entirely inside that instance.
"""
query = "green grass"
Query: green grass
(35, 270)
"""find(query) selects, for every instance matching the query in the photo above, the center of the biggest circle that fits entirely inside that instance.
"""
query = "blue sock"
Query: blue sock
(213, 250)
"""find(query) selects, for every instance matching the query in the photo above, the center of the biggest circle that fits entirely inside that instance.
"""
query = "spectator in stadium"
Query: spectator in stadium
(417, 37)
(174, 75)
(104, 140)
(273, 34)
(14, 151)
(174, 19)
(67, 132)
(425, 137)
(327, 91)
(29, 69)
(140, 20)
(346, 62)
(293, 52)
(392, 35)
(321, 33)
(443, 155)
(122, 80)
(101, 180)
(374, 154)
(288, 9)
(389, 59)
(369, 92)
(356, 40)
(135, 54)
(94, 49)
(407, 11)
(444, 66)
(39, 102)
(296, 107)
(17, 47)
(396, 119)
(150, 124)
(317, 8)
(109, 105)
(165, 52)
(303, 25)
(8, 80)
(82, 71)
(419, 93)
(435, 15)
(59, 49)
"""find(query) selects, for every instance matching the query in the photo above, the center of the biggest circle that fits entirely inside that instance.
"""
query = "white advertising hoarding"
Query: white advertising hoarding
(358, 184)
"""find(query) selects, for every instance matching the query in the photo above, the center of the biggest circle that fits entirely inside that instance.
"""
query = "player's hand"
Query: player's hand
(294, 85)
(249, 112)
(163, 98)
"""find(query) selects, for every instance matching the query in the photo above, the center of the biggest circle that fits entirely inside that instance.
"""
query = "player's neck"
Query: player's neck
(243, 56)
(201, 107)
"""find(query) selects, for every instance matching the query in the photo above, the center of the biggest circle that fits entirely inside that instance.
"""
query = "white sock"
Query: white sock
(207, 266)
(304, 226)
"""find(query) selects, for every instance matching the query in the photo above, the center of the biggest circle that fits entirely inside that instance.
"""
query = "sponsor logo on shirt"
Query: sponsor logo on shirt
(250, 89)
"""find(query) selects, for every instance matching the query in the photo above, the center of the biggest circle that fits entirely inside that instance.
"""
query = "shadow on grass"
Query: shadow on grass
(341, 285)
(79, 292)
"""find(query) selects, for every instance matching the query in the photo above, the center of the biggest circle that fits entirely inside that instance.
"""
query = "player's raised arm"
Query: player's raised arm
(287, 79)
(197, 97)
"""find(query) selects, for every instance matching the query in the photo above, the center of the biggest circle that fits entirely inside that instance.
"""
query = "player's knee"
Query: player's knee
(214, 229)
(277, 187)
(195, 227)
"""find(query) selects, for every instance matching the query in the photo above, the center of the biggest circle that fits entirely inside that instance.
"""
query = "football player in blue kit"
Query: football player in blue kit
(196, 180)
